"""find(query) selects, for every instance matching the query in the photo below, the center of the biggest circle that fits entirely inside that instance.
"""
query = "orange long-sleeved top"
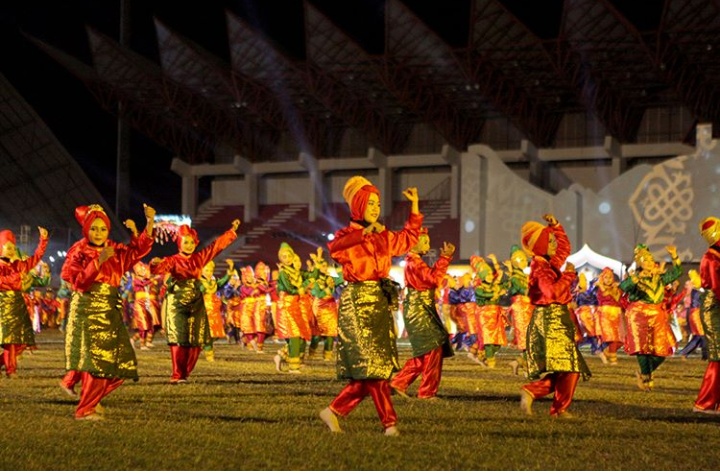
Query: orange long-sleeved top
(369, 257)
(183, 267)
(710, 271)
(420, 276)
(547, 284)
(11, 272)
(82, 267)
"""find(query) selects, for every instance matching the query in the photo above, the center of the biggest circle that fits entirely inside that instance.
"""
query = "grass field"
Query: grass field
(239, 414)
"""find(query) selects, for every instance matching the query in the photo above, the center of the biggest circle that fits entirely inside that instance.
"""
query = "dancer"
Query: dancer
(97, 343)
(609, 314)
(213, 304)
(292, 323)
(462, 298)
(16, 329)
(520, 308)
(551, 348)
(367, 354)
(693, 300)
(145, 307)
(325, 307)
(708, 398)
(490, 286)
(232, 298)
(586, 315)
(429, 339)
(649, 336)
(262, 318)
(187, 326)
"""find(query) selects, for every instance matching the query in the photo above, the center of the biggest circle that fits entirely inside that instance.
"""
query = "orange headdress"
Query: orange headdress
(356, 193)
(535, 238)
(7, 236)
(184, 230)
(85, 215)
(710, 230)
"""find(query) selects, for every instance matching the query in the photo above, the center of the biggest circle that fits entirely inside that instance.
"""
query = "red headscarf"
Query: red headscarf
(184, 230)
(85, 216)
(7, 236)
(360, 201)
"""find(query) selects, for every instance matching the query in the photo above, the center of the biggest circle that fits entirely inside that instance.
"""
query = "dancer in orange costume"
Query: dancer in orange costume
(262, 280)
(708, 398)
(649, 336)
(187, 326)
(367, 353)
(429, 339)
(551, 348)
(611, 327)
(520, 308)
(16, 331)
(97, 342)
(146, 307)
(293, 323)
(209, 286)
(325, 308)
(490, 285)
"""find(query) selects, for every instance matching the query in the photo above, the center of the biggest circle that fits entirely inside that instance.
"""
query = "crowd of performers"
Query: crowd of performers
(112, 303)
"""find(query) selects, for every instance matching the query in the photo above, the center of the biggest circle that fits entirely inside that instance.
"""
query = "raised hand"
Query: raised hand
(234, 225)
(447, 250)
(550, 219)
(43, 232)
(130, 224)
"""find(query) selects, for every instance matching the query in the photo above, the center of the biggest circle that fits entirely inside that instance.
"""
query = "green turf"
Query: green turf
(237, 413)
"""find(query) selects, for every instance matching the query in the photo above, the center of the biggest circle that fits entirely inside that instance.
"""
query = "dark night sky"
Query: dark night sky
(90, 134)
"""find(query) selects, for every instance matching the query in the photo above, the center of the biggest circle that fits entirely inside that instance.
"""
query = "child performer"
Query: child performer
(649, 336)
(213, 303)
(324, 305)
(367, 354)
(708, 398)
(429, 339)
(462, 297)
(490, 285)
(609, 314)
(97, 343)
(693, 297)
(16, 329)
(188, 330)
(551, 348)
(146, 307)
(586, 315)
(520, 309)
(292, 322)
(262, 279)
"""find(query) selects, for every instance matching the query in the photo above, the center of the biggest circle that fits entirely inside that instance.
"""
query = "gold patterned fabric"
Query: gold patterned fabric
(492, 324)
(291, 319)
(612, 327)
(367, 342)
(96, 340)
(326, 316)
(15, 323)
(710, 318)
(648, 330)
(422, 322)
(551, 343)
(520, 312)
(186, 320)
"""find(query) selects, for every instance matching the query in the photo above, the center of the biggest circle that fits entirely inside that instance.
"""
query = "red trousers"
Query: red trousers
(356, 390)
(429, 365)
(709, 395)
(183, 361)
(10, 355)
(71, 378)
(562, 383)
(93, 390)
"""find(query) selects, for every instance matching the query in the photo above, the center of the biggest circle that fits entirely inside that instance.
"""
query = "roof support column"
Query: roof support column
(384, 184)
(536, 167)
(315, 203)
(250, 192)
(452, 156)
(189, 191)
(614, 150)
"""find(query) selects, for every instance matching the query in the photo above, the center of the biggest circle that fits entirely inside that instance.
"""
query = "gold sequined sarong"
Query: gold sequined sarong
(15, 323)
(422, 322)
(96, 340)
(551, 343)
(710, 319)
(367, 342)
(648, 330)
(186, 320)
